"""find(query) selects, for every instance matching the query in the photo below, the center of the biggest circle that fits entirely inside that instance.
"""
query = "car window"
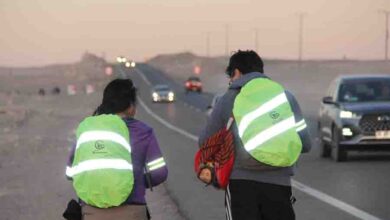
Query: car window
(162, 88)
(193, 79)
(370, 90)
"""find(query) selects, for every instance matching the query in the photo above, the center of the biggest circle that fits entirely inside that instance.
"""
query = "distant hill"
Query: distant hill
(90, 68)
(86, 60)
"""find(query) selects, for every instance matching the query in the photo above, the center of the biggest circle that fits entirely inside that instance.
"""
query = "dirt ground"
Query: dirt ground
(34, 148)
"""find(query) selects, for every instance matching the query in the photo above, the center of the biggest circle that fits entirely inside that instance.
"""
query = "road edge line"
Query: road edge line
(142, 75)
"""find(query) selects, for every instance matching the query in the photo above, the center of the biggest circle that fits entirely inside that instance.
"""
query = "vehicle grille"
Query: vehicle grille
(369, 124)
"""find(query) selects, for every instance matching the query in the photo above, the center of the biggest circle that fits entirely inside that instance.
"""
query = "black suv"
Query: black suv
(355, 115)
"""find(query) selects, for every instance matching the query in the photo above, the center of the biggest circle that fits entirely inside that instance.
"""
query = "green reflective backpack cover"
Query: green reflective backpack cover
(104, 176)
(266, 123)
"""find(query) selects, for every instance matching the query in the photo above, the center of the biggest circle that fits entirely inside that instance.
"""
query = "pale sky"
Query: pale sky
(38, 32)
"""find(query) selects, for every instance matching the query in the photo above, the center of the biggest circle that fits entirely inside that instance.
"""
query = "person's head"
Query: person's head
(243, 62)
(119, 97)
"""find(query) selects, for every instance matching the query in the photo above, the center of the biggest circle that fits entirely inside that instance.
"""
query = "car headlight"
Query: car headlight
(348, 114)
(171, 94)
(347, 132)
(155, 95)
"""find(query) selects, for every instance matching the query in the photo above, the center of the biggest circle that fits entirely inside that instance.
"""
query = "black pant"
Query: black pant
(251, 200)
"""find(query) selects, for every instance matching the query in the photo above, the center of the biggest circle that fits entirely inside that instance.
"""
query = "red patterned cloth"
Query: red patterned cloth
(217, 153)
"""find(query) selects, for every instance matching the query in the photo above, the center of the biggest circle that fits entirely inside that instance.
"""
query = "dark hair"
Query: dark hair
(118, 95)
(245, 61)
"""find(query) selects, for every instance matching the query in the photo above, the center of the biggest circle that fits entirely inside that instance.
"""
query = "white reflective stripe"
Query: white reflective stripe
(270, 133)
(159, 160)
(103, 135)
(301, 122)
(265, 108)
(228, 204)
(155, 164)
(67, 171)
(301, 128)
(155, 167)
(98, 164)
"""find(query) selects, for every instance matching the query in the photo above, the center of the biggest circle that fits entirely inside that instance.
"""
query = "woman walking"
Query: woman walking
(116, 158)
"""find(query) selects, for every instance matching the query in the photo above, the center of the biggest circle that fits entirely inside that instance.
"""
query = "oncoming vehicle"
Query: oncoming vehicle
(193, 83)
(162, 93)
(355, 115)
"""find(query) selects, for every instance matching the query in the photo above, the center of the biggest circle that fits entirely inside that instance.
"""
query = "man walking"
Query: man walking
(269, 135)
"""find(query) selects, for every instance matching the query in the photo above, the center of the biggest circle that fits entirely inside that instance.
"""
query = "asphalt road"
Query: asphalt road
(357, 189)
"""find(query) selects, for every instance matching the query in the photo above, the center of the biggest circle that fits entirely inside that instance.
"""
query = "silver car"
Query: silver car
(163, 93)
(355, 116)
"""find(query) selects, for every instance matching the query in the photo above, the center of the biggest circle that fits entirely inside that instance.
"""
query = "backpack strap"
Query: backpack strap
(229, 123)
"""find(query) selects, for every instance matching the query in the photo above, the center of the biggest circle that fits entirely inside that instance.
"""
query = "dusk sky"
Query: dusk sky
(38, 32)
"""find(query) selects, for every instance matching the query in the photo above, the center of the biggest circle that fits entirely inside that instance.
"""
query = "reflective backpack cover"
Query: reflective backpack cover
(102, 170)
(266, 123)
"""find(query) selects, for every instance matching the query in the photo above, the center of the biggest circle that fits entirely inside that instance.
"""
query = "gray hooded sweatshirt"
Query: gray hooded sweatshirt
(245, 166)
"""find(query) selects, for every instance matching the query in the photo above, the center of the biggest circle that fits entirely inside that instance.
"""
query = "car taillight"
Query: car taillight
(188, 84)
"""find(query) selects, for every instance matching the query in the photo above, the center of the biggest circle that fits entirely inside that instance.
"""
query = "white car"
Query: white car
(162, 92)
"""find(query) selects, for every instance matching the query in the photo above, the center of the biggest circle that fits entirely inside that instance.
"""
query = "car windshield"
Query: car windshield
(162, 88)
(365, 90)
(194, 79)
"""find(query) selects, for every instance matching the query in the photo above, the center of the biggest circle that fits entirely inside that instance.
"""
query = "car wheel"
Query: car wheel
(326, 149)
(338, 153)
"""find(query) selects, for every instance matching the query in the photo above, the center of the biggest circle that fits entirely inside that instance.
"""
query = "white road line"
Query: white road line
(143, 76)
(360, 214)
(334, 202)
(167, 124)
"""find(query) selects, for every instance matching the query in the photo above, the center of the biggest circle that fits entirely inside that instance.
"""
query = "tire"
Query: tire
(326, 149)
(338, 153)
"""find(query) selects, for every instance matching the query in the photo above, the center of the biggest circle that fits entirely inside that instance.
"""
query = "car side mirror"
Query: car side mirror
(328, 100)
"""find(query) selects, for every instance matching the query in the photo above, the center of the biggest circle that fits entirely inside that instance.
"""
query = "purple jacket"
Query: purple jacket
(145, 155)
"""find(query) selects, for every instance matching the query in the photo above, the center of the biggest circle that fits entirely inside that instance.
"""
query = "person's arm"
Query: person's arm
(156, 169)
(70, 161)
(218, 118)
(301, 125)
